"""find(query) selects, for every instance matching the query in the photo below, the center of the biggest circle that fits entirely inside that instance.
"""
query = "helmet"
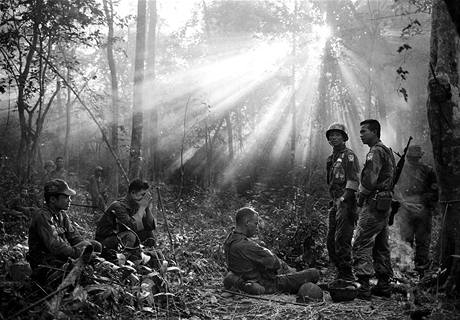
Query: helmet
(337, 127)
(415, 151)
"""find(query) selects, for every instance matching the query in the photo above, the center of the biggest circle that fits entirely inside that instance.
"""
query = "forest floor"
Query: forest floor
(191, 288)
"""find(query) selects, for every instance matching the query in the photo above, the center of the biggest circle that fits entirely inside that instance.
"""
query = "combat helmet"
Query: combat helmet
(339, 128)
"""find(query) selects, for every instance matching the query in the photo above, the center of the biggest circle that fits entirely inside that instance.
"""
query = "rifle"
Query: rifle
(399, 167)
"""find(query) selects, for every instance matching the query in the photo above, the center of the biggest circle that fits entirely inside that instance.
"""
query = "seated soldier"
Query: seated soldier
(52, 237)
(255, 269)
(128, 220)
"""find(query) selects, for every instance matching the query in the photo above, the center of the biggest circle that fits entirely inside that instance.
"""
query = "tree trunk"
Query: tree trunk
(68, 109)
(108, 9)
(154, 168)
(230, 136)
(136, 133)
(445, 133)
(293, 97)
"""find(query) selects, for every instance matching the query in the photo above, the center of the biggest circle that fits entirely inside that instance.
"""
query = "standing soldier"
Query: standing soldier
(417, 192)
(97, 189)
(371, 251)
(59, 172)
(343, 181)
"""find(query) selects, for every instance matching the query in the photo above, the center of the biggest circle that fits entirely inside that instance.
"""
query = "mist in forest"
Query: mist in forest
(224, 93)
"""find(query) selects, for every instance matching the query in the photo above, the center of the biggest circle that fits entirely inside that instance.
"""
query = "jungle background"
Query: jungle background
(221, 104)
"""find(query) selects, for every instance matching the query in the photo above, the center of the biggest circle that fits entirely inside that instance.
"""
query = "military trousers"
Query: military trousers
(415, 228)
(342, 219)
(371, 251)
(287, 283)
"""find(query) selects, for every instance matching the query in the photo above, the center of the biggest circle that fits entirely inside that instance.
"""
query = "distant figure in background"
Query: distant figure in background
(98, 189)
(255, 269)
(52, 236)
(418, 193)
(128, 220)
(49, 167)
(25, 202)
(343, 180)
(59, 172)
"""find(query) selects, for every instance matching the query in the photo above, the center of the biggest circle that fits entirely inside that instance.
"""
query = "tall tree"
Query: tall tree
(442, 108)
(109, 14)
(153, 167)
(138, 101)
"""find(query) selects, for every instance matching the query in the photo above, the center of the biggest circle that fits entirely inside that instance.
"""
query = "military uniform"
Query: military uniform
(118, 222)
(342, 173)
(417, 192)
(371, 251)
(52, 237)
(253, 266)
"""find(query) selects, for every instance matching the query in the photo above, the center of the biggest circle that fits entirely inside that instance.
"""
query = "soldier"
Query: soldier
(343, 181)
(52, 236)
(97, 189)
(59, 172)
(371, 251)
(49, 167)
(418, 193)
(128, 220)
(255, 269)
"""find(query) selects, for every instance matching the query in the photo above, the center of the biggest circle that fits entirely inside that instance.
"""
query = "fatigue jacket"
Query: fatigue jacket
(342, 172)
(51, 233)
(378, 171)
(417, 184)
(118, 216)
(248, 259)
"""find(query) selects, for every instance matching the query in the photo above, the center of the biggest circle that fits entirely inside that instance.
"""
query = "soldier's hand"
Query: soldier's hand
(146, 200)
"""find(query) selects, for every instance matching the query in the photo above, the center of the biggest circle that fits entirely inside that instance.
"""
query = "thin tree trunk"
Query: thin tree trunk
(293, 96)
(108, 9)
(154, 168)
(68, 107)
(230, 135)
(137, 126)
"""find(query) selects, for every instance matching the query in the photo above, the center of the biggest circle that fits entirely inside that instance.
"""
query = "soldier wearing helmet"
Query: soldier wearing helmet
(342, 179)
(418, 193)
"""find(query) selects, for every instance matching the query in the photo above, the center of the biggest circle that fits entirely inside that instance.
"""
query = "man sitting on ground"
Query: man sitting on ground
(52, 236)
(255, 269)
(128, 220)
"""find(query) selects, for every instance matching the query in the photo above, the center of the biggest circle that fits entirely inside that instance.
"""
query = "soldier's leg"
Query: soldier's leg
(291, 282)
(344, 233)
(370, 224)
(422, 240)
(382, 263)
(330, 243)
(406, 228)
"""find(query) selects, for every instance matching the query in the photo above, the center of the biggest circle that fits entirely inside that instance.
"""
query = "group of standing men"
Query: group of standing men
(373, 190)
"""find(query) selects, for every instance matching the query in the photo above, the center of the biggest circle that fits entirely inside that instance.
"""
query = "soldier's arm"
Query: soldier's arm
(51, 240)
(148, 220)
(371, 172)
(72, 234)
(262, 256)
(123, 217)
(352, 172)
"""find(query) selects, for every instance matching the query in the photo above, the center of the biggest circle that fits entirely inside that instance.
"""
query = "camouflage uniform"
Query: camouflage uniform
(251, 264)
(342, 173)
(371, 251)
(417, 192)
(117, 223)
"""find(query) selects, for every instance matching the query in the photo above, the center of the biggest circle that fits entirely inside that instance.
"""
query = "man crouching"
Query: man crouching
(255, 269)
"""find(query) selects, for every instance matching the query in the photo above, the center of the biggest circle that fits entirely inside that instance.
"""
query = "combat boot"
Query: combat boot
(364, 289)
(383, 288)
(233, 281)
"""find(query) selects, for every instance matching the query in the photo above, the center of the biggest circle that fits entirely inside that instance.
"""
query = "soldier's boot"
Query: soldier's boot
(383, 288)
(233, 281)
(346, 275)
(364, 289)
(253, 288)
